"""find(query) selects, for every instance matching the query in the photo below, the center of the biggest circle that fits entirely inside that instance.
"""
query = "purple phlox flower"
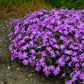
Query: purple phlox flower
(55, 29)
(39, 47)
(31, 43)
(10, 38)
(21, 41)
(26, 21)
(71, 29)
(67, 58)
(54, 40)
(49, 33)
(10, 28)
(20, 55)
(19, 36)
(16, 31)
(47, 73)
(14, 40)
(30, 59)
(25, 62)
(13, 58)
(32, 63)
(68, 41)
(45, 41)
(44, 54)
(42, 60)
(24, 55)
(81, 56)
(52, 21)
(43, 64)
(16, 27)
(61, 61)
(52, 53)
(46, 70)
(56, 70)
(71, 46)
(58, 22)
(76, 35)
(65, 32)
(62, 46)
(23, 30)
(77, 65)
(46, 19)
(75, 53)
(78, 72)
(47, 44)
(57, 52)
(82, 37)
(43, 24)
(40, 12)
(10, 34)
(26, 37)
(69, 64)
(62, 38)
(63, 75)
(33, 57)
(72, 74)
(75, 59)
(48, 26)
(81, 76)
(60, 31)
(38, 68)
(82, 64)
(69, 52)
(52, 67)
(46, 15)
(14, 51)
(34, 32)
(32, 51)
(51, 43)
(80, 46)
(73, 79)
(31, 36)
(38, 63)
(25, 46)
(75, 75)
(11, 47)
(56, 46)
(68, 82)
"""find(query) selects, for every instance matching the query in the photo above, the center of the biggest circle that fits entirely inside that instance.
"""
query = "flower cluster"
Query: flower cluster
(51, 40)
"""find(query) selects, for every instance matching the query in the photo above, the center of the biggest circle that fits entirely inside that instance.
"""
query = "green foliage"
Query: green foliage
(76, 4)
(54, 2)
(6, 2)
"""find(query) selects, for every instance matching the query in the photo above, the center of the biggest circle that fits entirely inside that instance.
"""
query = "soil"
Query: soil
(10, 71)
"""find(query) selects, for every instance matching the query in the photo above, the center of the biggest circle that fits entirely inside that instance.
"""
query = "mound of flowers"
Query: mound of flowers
(52, 41)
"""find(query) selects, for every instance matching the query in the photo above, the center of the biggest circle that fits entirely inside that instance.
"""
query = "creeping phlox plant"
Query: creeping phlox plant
(52, 41)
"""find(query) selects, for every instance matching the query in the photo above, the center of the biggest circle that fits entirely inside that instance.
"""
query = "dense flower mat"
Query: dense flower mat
(52, 41)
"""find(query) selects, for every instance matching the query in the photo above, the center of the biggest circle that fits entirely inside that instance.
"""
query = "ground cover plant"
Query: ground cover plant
(51, 41)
